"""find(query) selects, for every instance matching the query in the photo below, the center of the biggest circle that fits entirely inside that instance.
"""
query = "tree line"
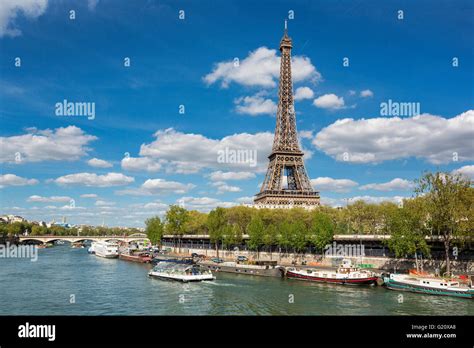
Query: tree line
(32, 229)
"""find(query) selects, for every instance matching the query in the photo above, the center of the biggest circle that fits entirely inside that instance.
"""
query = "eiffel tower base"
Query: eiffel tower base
(284, 199)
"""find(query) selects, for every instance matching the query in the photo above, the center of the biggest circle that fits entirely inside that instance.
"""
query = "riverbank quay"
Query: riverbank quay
(381, 264)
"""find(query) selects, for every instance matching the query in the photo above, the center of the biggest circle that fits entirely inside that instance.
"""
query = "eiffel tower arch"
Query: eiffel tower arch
(286, 183)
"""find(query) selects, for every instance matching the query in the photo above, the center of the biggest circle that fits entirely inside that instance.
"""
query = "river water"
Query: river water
(66, 281)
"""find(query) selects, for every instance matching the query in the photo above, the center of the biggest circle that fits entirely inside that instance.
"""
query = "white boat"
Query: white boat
(91, 248)
(105, 249)
(180, 272)
(430, 286)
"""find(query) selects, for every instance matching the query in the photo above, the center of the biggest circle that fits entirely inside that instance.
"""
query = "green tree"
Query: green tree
(363, 217)
(15, 228)
(407, 232)
(284, 235)
(154, 229)
(176, 218)
(449, 202)
(216, 222)
(322, 230)
(270, 236)
(237, 233)
(239, 215)
(298, 235)
(37, 230)
(227, 236)
(196, 223)
(255, 230)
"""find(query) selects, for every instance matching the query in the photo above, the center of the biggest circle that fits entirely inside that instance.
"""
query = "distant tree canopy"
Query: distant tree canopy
(34, 229)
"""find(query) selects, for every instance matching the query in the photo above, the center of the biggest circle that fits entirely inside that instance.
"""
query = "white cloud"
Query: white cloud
(222, 176)
(98, 163)
(303, 93)
(101, 203)
(156, 187)
(433, 138)
(140, 164)
(89, 195)
(329, 101)
(14, 180)
(203, 204)
(260, 68)
(330, 184)
(51, 199)
(223, 187)
(92, 179)
(373, 199)
(255, 105)
(366, 93)
(177, 152)
(393, 185)
(246, 199)
(339, 202)
(9, 10)
(161, 185)
(467, 171)
(155, 206)
(62, 144)
(305, 134)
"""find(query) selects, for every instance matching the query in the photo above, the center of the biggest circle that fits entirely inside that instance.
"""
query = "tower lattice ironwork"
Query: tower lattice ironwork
(286, 183)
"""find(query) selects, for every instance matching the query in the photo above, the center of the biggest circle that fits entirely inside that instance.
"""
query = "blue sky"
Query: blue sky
(140, 153)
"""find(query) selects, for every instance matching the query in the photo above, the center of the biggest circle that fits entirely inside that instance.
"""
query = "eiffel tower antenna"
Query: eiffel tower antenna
(286, 183)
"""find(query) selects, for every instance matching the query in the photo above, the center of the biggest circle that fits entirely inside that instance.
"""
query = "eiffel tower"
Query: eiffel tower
(286, 183)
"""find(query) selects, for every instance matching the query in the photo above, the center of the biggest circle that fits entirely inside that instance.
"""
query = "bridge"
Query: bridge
(75, 239)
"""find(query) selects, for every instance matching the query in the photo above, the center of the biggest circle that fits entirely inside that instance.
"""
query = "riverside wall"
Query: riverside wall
(287, 259)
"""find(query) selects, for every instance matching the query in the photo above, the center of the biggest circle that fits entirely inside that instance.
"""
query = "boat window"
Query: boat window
(309, 271)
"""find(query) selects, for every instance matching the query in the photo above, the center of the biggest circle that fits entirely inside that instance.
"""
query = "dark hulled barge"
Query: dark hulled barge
(345, 274)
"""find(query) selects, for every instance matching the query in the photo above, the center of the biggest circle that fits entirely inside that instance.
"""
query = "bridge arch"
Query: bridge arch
(140, 235)
(52, 240)
(77, 240)
(41, 240)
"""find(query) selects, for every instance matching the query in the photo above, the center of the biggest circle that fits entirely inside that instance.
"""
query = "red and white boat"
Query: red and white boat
(141, 257)
(345, 274)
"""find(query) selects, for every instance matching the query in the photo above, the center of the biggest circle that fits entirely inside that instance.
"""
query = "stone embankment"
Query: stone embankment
(287, 259)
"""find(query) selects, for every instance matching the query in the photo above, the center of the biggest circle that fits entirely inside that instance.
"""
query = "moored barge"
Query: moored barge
(345, 274)
(259, 268)
(429, 286)
(136, 257)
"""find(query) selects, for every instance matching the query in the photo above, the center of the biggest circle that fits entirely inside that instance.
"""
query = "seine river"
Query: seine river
(98, 286)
